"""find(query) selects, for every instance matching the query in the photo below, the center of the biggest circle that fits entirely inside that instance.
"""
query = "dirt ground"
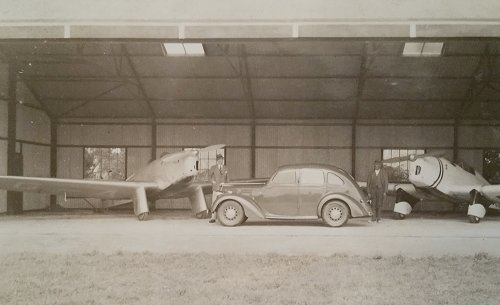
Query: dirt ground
(179, 232)
(173, 258)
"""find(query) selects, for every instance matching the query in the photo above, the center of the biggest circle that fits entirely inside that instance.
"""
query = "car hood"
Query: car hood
(243, 186)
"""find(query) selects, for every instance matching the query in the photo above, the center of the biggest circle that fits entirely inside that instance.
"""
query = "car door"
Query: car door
(311, 189)
(279, 196)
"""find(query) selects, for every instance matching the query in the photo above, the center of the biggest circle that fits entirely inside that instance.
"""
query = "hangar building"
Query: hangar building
(114, 84)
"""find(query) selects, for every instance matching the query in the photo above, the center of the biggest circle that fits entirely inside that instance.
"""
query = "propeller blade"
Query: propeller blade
(414, 157)
(213, 147)
(396, 159)
(438, 153)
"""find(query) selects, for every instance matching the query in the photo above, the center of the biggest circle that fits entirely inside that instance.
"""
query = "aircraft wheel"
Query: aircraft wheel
(143, 216)
(335, 213)
(474, 219)
(399, 216)
(230, 213)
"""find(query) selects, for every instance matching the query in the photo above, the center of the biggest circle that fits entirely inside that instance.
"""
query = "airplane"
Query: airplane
(432, 176)
(170, 176)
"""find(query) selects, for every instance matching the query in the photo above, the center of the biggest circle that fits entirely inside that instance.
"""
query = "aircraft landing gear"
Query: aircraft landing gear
(143, 216)
(401, 209)
(399, 216)
(474, 219)
(476, 211)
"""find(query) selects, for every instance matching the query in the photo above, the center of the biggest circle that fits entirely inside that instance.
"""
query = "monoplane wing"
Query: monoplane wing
(75, 188)
(491, 192)
(393, 187)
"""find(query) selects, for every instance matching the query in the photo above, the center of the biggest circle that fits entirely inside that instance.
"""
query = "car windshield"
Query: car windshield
(285, 177)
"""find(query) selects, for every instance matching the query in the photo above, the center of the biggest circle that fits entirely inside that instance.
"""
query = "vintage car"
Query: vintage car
(294, 192)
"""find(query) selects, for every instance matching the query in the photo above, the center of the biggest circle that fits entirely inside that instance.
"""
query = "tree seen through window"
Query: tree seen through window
(399, 171)
(104, 163)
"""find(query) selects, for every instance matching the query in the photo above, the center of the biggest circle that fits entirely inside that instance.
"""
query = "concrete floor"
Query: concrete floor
(179, 232)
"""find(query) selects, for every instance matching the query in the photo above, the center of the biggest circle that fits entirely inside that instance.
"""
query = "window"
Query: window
(183, 49)
(334, 179)
(285, 177)
(398, 171)
(418, 49)
(104, 163)
(207, 159)
(491, 165)
(312, 176)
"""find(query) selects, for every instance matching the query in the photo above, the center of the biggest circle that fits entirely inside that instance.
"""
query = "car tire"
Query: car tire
(230, 213)
(335, 213)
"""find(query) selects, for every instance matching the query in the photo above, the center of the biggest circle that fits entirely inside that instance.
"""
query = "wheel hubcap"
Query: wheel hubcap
(335, 214)
(230, 213)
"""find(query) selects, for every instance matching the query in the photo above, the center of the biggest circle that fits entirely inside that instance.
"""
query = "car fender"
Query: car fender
(356, 208)
(248, 205)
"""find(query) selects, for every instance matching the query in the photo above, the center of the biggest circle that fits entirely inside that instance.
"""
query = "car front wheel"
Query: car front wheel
(335, 213)
(230, 213)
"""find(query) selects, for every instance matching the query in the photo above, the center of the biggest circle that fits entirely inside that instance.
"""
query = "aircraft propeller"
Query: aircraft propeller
(413, 157)
(212, 147)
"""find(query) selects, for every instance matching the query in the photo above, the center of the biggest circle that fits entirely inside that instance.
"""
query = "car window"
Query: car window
(334, 179)
(312, 176)
(285, 177)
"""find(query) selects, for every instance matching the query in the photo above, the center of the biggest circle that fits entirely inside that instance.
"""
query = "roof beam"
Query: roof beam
(139, 82)
(257, 100)
(59, 78)
(42, 103)
(91, 99)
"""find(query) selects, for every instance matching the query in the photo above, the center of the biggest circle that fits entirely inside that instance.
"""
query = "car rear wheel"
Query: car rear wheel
(335, 213)
(230, 213)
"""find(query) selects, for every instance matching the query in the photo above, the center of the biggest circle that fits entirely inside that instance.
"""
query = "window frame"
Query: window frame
(104, 147)
(199, 160)
(390, 167)
(295, 182)
(336, 175)
(301, 171)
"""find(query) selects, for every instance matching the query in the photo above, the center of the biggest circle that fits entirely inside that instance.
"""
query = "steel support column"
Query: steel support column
(455, 138)
(247, 89)
(53, 160)
(361, 83)
(14, 199)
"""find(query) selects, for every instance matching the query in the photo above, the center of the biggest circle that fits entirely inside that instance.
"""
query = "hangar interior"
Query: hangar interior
(340, 101)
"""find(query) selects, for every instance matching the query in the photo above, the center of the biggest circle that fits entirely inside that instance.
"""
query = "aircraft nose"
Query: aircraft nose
(426, 172)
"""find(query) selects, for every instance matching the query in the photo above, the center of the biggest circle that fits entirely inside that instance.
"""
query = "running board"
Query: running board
(292, 217)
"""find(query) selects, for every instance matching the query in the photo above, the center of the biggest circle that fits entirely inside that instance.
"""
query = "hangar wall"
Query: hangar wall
(277, 143)
(3, 151)
(3, 130)
(32, 140)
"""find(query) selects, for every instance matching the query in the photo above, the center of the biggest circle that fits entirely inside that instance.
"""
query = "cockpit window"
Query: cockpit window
(466, 167)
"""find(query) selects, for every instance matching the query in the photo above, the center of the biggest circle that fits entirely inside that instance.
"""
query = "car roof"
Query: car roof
(314, 166)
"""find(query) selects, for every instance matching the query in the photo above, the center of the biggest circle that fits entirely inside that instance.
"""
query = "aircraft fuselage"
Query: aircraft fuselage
(438, 175)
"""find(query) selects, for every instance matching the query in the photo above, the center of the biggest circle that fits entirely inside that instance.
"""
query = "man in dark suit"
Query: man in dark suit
(377, 186)
(218, 176)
